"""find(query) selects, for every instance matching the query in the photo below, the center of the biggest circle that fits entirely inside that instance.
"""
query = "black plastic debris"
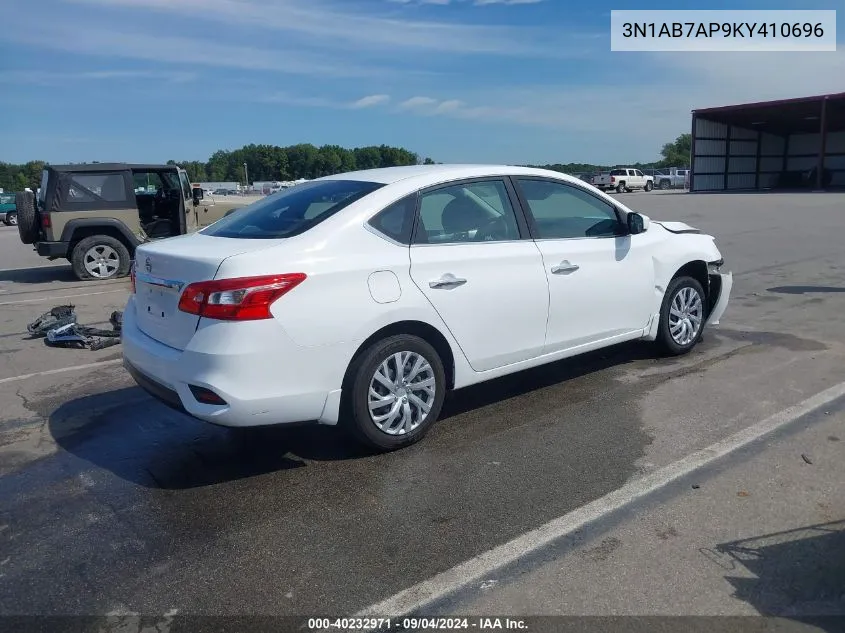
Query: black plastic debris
(60, 328)
(55, 318)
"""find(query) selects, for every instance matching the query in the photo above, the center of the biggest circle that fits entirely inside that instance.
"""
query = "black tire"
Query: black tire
(665, 184)
(665, 341)
(356, 412)
(620, 187)
(11, 219)
(120, 268)
(649, 185)
(28, 226)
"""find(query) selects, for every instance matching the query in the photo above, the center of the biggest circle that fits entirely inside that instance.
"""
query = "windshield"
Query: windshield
(291, 211)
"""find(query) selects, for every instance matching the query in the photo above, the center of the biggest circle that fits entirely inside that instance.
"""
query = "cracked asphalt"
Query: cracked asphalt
(110, 502)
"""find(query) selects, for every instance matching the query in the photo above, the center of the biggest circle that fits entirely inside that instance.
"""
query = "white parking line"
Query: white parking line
(43, 299)
(62, 370)
(473, 570)
(28, 268)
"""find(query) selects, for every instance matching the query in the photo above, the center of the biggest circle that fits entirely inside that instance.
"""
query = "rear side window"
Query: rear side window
(7, 198)
(397, 220)
(90, 187)
(619, 172)
(88, 191)
(292, 211)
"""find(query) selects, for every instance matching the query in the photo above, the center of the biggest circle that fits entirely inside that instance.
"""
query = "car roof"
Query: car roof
(108, 167)
(433, 174)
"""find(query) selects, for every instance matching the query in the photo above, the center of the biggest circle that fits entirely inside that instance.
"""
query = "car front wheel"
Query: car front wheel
(11, 219)
(396, 391)
(682, 316)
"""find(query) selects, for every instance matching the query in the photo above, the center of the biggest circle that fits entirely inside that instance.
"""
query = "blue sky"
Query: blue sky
(458, 80)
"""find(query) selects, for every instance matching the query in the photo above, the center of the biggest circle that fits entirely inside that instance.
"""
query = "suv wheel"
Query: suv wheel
(11, 219)
(27, 217)
(396, 390)
(100, 257)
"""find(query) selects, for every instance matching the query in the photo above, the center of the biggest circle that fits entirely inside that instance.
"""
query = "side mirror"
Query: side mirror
(637, 223)
(198, 194)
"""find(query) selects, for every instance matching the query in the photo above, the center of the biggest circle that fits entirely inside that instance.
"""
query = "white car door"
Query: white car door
(640, 178)
(475, 262)
(601, 279)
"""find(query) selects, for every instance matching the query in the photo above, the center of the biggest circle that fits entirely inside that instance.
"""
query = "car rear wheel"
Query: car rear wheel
(665, 184)
(11, 219)
(620, 187)
(396, 390)
(682, 316)
(100, 257)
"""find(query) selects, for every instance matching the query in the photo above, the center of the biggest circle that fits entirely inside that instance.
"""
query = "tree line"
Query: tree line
(271, 162)
(263, 162)
(675, 154)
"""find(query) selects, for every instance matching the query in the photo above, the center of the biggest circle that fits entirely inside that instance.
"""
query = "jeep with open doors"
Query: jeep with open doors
(95, 215)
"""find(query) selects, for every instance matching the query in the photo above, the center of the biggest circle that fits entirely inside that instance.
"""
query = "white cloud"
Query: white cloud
(113, 43)
(47, 78)
(417, 103)
(337, 27)
(370, 101)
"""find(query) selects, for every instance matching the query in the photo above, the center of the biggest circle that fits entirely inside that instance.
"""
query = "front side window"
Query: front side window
(562, 211)
(638, 172)
(470, 212)
(7, 198)
(292, 211)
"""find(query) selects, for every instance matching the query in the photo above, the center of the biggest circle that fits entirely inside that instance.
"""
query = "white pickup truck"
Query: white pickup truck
(624, 179)
(672, 178)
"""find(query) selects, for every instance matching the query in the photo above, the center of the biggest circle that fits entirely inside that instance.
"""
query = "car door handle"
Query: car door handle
(446, 282)
(564, 267)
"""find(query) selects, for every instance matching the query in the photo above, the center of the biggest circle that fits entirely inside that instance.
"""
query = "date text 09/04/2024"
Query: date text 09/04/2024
(722, 29)
(415, 624)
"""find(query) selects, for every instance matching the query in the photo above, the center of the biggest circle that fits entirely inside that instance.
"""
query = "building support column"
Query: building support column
(822, 144)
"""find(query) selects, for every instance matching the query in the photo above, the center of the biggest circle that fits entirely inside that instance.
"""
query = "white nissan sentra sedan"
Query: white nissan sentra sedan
(361, 298)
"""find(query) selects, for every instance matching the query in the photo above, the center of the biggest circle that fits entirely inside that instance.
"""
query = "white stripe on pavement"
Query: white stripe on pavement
(448, 582)
(43, 299)
(62, 370)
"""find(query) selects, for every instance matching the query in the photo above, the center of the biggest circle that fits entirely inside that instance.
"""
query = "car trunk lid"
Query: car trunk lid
(164, 269)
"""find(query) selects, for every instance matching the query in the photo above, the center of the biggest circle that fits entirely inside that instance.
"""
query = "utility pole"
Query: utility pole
(246, 177)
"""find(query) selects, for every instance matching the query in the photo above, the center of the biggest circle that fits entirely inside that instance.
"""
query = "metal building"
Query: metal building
(789, 144)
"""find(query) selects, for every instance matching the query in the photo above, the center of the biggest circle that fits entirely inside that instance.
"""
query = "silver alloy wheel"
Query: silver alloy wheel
(686, 312)
(401, 393)
(101, 261)
(13, 219)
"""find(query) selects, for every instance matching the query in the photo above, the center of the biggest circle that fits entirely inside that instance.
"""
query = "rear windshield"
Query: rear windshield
(292, 211)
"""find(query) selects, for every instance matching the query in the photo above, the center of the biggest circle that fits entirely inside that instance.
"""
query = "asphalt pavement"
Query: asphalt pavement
(112, 503)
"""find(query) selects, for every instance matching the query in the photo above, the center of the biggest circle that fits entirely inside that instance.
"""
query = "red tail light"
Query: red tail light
(240, 299)
(613, 179)
(45, 220)
(132, 278)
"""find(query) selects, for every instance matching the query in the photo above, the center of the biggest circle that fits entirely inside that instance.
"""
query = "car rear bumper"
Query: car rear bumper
(52, 249)
(264, 385)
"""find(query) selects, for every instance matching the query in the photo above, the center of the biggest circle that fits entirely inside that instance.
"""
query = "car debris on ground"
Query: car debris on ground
(60, 328)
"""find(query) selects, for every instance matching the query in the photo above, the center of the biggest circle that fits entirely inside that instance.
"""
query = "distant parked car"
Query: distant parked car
(8, 209)
(361, 298)
(624, 179)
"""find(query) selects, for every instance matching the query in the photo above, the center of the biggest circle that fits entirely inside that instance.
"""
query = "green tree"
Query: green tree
(677, 154)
